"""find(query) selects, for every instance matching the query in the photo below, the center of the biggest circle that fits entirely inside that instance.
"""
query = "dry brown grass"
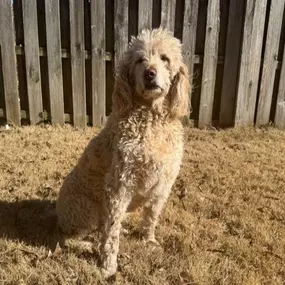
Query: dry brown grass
(224, 222)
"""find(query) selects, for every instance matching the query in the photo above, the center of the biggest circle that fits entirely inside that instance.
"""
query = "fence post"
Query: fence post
(9, 63)
(189, 36)
(121, 22)
(145, 15)
(77, 53)
(32, 58)
(168, 14)
(210, 64)
(54, 61)
(98, 62)
(250, 62)
(280, 106)
(270, 62)
(189, 33)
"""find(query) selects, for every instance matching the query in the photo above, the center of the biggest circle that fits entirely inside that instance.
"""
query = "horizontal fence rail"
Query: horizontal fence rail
(57, 58)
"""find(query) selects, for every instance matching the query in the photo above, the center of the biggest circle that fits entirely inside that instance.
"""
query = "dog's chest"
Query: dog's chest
(146, 150)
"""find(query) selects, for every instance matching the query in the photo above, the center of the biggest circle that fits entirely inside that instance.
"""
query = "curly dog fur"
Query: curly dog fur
(135, 159)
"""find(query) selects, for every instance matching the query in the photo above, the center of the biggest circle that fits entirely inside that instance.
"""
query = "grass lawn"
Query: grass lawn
(223, 224)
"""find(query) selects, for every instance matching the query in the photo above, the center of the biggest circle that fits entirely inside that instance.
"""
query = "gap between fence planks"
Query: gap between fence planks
(77, 50)
(232, 56)
(145, 15)
(250, 62)
(280, 106)
(270, 62)
(54, 61)
(121, 28)
(210, 64)
(98, 62)
(168, 14)
(9, 63)
(32, 58)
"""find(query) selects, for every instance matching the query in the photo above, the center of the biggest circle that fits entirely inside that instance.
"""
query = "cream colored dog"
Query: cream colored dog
(135, 159)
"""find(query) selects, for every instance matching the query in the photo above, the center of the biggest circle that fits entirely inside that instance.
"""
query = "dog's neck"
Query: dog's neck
(153, 105)
(155, 109)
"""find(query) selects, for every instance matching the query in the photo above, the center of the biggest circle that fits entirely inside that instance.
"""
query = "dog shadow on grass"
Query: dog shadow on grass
(33, 222)
(30, 221)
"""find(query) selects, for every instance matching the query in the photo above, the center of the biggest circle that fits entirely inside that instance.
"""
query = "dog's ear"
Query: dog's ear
(122, 94)
(180, 93)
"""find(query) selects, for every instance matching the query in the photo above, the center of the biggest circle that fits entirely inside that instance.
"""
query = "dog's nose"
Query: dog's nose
(150, 74)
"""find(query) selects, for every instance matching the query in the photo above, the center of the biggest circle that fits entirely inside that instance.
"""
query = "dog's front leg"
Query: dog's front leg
(152, 210)
(115, 209)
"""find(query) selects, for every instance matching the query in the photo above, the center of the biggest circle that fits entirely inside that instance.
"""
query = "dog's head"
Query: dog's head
(152, 71)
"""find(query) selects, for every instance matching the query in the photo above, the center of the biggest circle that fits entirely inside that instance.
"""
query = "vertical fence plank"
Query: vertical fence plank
(145, 15)
(121, 28)
(270, 62)
(9, 64)
(110, 36)
(232, 55)
(32, 60)
(98, 61)
(210, 64)
(189, 33)
(77, 49)
(250, 62)
(280, 105)
(168, 14)
(54, 61)
(189, 36)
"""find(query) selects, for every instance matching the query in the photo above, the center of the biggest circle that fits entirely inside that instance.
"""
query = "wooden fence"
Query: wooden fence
(58, 56)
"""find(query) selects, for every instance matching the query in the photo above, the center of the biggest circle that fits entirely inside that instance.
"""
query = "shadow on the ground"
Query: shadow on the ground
(30, 221)
(34, 223)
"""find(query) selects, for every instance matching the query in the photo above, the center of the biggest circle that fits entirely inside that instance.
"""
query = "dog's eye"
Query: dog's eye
(164, 58)
(140, 60)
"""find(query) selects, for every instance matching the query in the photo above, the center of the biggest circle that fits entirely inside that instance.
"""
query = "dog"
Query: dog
(135, 159)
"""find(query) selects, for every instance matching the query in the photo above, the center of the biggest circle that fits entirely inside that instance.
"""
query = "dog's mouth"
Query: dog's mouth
(153, 86)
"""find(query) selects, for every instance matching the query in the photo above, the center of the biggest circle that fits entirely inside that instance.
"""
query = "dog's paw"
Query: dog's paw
(153, 243)
(108, 274)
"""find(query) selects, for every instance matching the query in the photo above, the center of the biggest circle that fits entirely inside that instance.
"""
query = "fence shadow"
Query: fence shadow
(30, 221)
